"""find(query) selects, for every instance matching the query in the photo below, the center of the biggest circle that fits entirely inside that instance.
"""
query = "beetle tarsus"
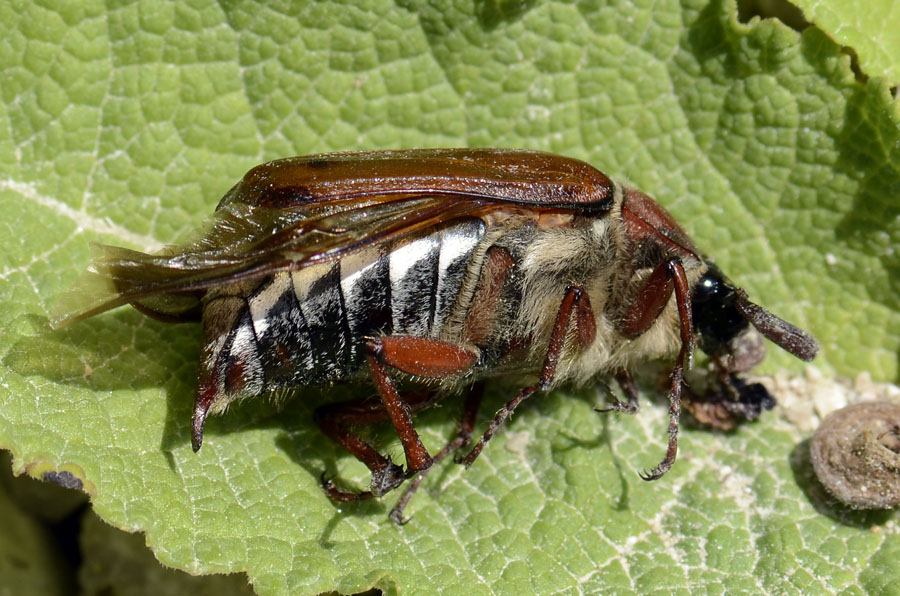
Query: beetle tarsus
(336, 494)
(674, 416)
(396, 513)
(337, 420)
(619, 407)
(396, 516)
(628, 388)
(656, 473)
(685, 354)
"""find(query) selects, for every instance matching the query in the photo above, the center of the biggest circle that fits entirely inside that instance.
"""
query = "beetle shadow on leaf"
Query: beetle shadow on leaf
(120, 351)
(493, 13)
(604, 439)
(597, 397)
(822, 501)
(868, 150)
(308, 447)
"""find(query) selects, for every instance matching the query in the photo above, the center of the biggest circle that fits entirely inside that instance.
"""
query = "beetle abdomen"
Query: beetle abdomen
(310, 326)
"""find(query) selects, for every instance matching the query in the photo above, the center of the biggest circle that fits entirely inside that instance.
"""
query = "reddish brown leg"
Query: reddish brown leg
(668, 276)
(575, 303)
(480, 319)
(623, 378)
(416, 356)
(337, 420)
(462, 438)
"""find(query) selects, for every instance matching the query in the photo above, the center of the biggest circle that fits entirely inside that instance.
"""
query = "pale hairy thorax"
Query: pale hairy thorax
(597, 257)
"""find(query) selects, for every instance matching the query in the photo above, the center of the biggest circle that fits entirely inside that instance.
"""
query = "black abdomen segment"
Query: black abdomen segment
(310, 326)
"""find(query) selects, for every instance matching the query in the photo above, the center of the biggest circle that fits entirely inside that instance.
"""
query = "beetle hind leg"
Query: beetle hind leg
(463, 437)
(420, 357)
(337, 420)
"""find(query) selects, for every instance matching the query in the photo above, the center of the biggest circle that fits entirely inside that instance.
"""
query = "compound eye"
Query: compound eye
(710, 286)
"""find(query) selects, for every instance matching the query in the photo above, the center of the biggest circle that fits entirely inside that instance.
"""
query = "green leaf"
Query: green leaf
(121, 564)
(125, 123)
(870, 29)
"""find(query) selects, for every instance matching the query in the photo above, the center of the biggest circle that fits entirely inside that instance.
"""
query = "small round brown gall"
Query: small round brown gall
(856, 455)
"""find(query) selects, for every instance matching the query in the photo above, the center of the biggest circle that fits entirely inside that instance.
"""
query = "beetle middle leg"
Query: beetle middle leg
(421, 357)
(626, 383)
(575, 304)
(667, 278)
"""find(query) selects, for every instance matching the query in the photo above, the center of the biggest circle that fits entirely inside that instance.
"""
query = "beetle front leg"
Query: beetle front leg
(668, 277)
(575, 304)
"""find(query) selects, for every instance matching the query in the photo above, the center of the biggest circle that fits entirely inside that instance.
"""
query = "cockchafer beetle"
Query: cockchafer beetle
(445, 266)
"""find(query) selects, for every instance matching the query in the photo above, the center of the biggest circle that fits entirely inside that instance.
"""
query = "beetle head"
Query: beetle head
(722, 317)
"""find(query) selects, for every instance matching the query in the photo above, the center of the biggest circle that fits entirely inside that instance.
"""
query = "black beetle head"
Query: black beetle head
(722, 312)
(717, 319)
